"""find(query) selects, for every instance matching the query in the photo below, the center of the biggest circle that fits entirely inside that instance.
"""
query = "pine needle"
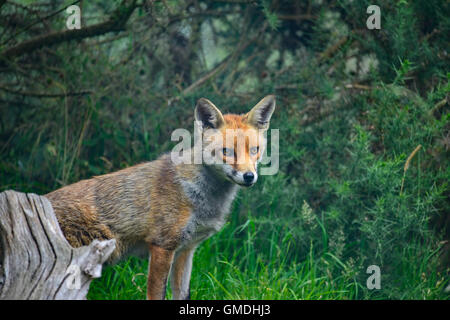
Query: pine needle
(406, 167)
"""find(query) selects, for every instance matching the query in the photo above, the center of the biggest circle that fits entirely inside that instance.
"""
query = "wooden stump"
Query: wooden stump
(36, 261)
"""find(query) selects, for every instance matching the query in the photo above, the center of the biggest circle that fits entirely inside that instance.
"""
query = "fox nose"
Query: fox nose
(249, 177)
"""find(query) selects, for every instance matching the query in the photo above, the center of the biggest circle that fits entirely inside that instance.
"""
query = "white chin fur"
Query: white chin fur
(237, 176)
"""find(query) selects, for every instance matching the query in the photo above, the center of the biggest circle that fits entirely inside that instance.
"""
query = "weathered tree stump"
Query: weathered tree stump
(36, 261)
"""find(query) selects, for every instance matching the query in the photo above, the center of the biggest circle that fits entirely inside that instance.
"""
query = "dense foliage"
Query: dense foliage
(363, 119)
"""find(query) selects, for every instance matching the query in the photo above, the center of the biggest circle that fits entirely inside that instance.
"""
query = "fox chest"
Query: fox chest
(210, 209)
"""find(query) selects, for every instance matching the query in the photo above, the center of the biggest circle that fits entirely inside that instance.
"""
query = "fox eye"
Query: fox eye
(228, 152)
(254, 150)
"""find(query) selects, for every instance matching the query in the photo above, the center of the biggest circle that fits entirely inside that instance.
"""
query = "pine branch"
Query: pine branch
(45, 95)
(28, 27)
(115, 23)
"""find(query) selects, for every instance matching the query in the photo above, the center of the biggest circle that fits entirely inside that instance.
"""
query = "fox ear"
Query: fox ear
(260, 114)
(208, 115)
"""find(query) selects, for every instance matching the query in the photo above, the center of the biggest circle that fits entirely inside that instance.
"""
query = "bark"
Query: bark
(36, 261)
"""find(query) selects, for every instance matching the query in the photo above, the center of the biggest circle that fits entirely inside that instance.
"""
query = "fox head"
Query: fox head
(232, 145)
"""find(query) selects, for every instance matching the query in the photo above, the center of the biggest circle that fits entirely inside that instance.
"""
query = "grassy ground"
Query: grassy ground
(234, 273)
(248, 260)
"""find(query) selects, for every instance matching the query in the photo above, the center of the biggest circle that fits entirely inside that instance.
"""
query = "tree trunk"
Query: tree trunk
(36, 261)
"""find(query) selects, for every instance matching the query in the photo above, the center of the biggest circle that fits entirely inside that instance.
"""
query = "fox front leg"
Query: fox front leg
(181, 274)
(158, 271)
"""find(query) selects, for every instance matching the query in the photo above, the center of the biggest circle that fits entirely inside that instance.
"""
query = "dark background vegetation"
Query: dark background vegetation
(352, 106)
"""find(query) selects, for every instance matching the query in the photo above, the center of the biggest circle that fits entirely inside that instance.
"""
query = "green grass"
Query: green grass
(229, 266)
(234, 273)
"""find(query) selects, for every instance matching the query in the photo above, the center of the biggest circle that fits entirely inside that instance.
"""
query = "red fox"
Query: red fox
(163, 210)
